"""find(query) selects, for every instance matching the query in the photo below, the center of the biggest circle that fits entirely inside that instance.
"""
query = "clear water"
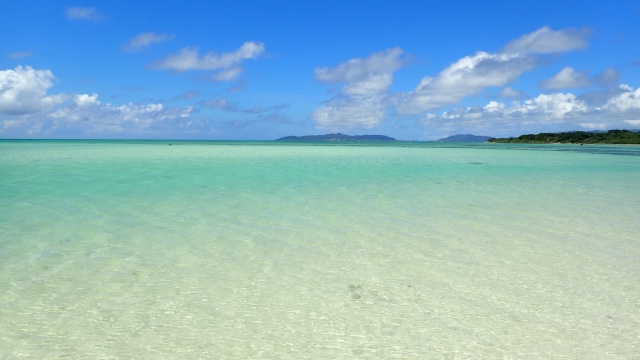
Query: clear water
(138, 250)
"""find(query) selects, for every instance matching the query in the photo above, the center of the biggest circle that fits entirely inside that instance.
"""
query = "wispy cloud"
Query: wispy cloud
(144, 40)
(83, 13)
(371, 75)
(227, 64)
(221, 104)
(20, 54)
(237, 87)
(134, 88)
(568, 78)
(547, 41)
(188, 95)
(225, 105)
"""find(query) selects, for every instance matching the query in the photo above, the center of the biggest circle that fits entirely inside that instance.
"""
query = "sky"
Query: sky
(260, 70)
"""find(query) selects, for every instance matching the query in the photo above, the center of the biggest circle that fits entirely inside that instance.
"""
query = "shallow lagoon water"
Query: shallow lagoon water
(136, 250)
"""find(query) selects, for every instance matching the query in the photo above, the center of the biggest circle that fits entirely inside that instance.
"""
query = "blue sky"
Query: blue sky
(261, 70)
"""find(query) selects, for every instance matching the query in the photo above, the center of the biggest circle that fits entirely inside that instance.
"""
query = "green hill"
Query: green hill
(576, 137)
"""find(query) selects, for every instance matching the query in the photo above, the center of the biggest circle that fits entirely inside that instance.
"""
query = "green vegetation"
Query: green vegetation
(577, 137)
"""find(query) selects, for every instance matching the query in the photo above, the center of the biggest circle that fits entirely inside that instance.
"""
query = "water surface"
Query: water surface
(136, 250)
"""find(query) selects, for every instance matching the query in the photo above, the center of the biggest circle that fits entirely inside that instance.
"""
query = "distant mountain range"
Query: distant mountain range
(337, 137)
(465, 138)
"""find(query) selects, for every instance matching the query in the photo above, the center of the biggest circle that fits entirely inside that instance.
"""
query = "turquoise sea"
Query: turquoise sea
(258, 250)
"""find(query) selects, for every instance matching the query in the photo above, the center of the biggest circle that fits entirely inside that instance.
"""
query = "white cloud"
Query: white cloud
(227, 74)
(363, 111)
(145, 39)
(546, 41)
(510, 93)
(544, 108)
(557, 108)
(468, 76)
(24, 91)
(85, 116)
(626, 101)
(465, 77)
(567, 78)
(83, 13)
(20, 54)
(472, 74)
(84, 100)
(189, 58)
(371, 75)
(360, 103)
(27, 110)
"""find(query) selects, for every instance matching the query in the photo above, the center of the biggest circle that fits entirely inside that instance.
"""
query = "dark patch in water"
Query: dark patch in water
(355, 291)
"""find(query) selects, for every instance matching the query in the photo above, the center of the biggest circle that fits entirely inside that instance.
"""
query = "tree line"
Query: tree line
(576, 137)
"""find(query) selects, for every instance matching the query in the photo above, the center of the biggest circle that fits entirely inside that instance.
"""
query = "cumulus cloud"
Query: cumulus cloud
(371, 75)
(227, 63)
(85, 116)
(471, 74)
(627, 101)
(364, 101)
(567, 78)
(27, 110)
(361, 103)
(144, 40)
(83, 13)
(364, 111)
(557, 108)
(24, 91)
(546, 41)
(465, 77)
(20, 54)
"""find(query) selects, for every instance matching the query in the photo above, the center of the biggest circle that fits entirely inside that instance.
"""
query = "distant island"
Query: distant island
(576, 137)
(337, 137)
(465, 138)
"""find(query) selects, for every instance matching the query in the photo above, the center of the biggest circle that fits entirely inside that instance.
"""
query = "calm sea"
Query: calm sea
(255, 250)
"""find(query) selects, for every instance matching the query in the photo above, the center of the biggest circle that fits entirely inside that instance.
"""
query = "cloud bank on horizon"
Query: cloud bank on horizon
(476, 93)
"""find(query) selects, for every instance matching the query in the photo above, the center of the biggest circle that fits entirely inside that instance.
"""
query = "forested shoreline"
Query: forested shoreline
(576, 137)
